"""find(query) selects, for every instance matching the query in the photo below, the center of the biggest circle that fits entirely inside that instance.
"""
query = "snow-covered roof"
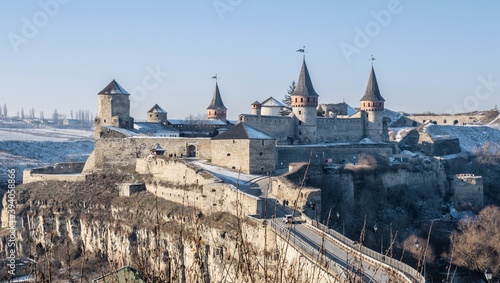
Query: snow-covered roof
(243, 131)
(271, 102)
(126, 132)
(201, 122)
(114, 88)
(147, 127)
(157, 109)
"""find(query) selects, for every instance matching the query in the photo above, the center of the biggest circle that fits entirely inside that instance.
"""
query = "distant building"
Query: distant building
(434, 145)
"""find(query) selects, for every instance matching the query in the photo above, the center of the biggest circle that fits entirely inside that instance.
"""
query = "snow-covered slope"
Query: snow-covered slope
(470, 137)
(28, 148)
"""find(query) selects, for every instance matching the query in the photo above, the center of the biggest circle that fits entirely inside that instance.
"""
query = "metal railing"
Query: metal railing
(408, 271)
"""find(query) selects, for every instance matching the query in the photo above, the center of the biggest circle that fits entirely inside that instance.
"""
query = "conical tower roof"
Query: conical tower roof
(304, 85)
(216, 103)
(113, 88)
(157, 109)
(372, 92)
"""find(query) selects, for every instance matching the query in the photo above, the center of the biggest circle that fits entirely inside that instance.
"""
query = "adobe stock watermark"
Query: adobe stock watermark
(31, 26)
(11, 211)
(363, 36)
(485, 88)
(151, 81)
(223, 6)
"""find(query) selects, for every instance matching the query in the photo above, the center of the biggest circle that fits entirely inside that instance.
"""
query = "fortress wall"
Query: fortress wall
(263, 156)
(340, 129)
(211, 198)
(60, 168)
(468, 190)
(110, 153)
(30, 177)
(279, 128)
(447, 119)
(317, 153)
(233, 154)
(174, 171)
(283, 190)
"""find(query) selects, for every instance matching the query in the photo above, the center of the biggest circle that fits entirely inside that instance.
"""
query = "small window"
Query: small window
(300, 133)
(228, 154)
(156, 115)
(301, 99)
(444, 121)
(295, 99)
(215, 113)
(300, 122)
(300, 112)
(260, 153)
(308, 99)
(104, 120)
(262, 142)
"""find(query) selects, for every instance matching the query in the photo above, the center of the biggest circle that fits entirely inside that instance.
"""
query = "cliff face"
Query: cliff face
(84, 230)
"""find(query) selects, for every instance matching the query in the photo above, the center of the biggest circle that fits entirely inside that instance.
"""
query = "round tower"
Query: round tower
(256, 108)
(156, 115)
(372, 107)
(304, 101)
(216, 109)
(113, 108)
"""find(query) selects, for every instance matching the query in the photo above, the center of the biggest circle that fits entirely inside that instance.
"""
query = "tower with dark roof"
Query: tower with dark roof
(157, 115)
(256, 108)
(113, 108)
(304, 101)
(216, 109)
(372, 108)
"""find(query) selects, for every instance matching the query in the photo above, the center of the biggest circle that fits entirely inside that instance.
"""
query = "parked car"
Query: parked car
(288, 218)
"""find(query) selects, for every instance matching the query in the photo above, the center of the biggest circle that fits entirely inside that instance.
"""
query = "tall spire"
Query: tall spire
(304, 85)
(372, 93)
(216, 103)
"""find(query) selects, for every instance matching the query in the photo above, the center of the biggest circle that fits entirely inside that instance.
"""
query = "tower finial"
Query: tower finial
(372, 59)
(302, 50)
(215, 77)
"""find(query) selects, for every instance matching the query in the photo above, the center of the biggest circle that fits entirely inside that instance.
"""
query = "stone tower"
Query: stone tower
(216, 109)
(256, 108)
(372, 107)
(113, 109)
(157, 115)
(304, 101)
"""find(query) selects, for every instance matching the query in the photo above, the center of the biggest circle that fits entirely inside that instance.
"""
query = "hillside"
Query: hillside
(28, 148)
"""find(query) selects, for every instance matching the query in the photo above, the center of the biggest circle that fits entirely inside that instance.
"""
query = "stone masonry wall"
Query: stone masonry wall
(110, 153)
(340, 129)
(232, 154)
(280, 128)
(468, 190)
(262, 156)
(204, 191)
(317, 153)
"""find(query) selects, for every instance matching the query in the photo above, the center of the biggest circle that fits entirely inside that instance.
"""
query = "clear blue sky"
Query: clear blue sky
(431, 55)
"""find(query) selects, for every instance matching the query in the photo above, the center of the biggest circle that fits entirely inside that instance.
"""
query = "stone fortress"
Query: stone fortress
(260, 143)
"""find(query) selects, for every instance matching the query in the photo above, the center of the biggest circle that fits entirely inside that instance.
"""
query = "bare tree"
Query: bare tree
(475, 244)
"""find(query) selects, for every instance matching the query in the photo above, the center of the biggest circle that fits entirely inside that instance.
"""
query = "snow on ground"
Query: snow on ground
(22, 148)
(400, 133)
(393, 115)
(44, 134)
(470, 137)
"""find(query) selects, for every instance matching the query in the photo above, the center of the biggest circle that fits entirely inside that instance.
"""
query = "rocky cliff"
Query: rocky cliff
(83, 230)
